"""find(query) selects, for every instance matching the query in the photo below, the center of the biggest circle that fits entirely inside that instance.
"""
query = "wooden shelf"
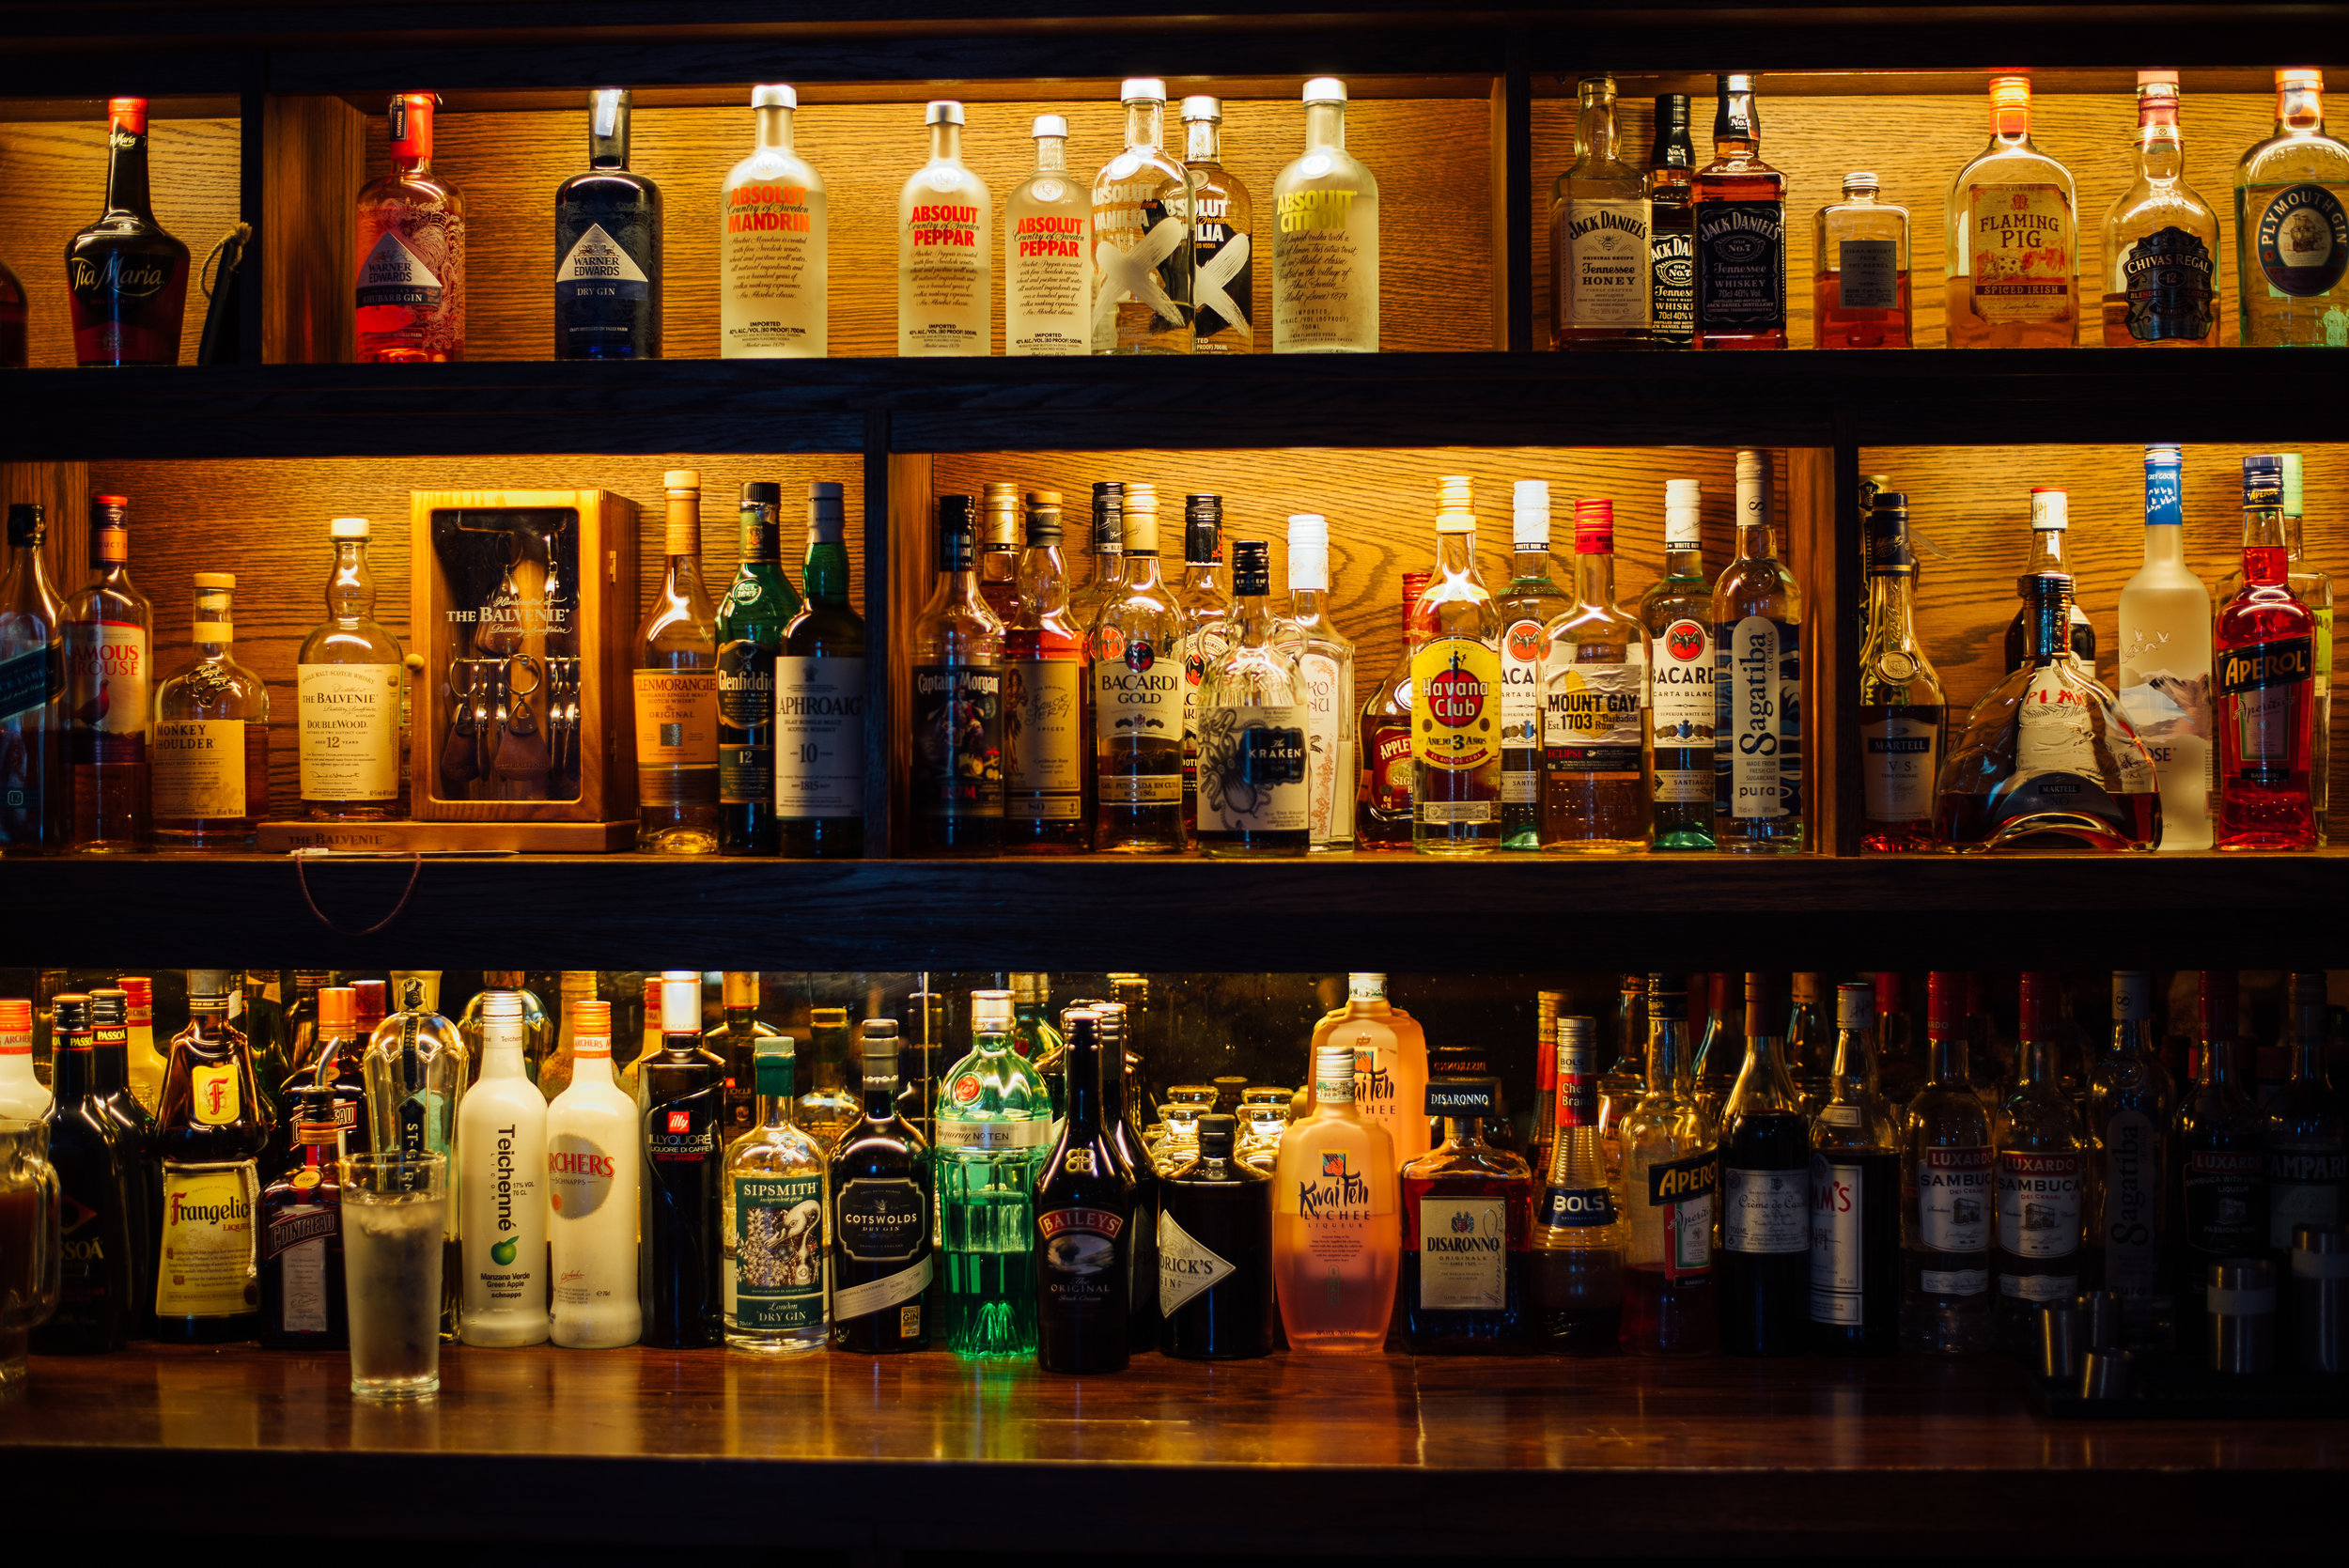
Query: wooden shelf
(1798, 398)
(1448, 1459)
(1399, 913)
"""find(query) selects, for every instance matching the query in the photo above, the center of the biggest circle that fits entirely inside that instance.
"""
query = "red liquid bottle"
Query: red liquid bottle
(1671, 1173)
(410, 290)
(2264, 647)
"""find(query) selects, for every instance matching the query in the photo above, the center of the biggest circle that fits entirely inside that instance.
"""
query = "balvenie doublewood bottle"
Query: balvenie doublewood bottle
(682, 1091)
(214, 1124)
(126, 278)
(1215, 1252)
(1084, 1216)
(94, 1309)
(881, 1184)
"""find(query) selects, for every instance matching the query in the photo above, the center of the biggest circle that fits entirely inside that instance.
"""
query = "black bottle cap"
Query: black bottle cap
(762, 492)
(69, 1014)
(1043, 517)
(109, 1006)
(1251, 567)
(957, 533)
(1672, 149)
(26, 523)
(1215, 1134)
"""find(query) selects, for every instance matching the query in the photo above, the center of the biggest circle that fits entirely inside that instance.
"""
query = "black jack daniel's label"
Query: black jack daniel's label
(1741, 266)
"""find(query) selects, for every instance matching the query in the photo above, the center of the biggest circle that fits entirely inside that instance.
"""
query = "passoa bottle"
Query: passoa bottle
(125, 279)
(1215, 1252)
(1764, 1265)
(882, 1210)
(410, 292)
(774, 245)
(1855, 1196)
(501, 1187)
(1335, 1245)
(607, 246)
(1084, 1216)
(946, 249)
(594, 1162)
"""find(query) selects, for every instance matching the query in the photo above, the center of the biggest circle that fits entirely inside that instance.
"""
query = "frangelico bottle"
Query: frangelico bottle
(213, 1125)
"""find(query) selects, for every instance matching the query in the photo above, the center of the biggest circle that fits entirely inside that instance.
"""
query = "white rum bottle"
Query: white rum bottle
(2165, 659)
(1048, 253)
(774, 245)
(501, 1191)
(1325, 239)
(1325, 660)
(1143, 251)
(1757, 683)
(946, 249)
(594, 1162)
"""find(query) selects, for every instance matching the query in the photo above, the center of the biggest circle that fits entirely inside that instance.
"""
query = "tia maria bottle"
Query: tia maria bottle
(1085, 1215)
(1215, 1252)
(681, 1097)
(881, 1229)
(125, 279)
(1764, 1266)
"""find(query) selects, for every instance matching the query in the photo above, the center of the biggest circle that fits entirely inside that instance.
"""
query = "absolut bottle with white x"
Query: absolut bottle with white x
(1142, 250)
(607, 246)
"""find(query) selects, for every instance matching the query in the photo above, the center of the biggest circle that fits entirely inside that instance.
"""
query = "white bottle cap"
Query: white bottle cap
(943, 110)
(2132, 996)
(501, 1007)
(1141, 89)
(682, 479)
(1048, 125)
(1750, 465)
(2049, 508)
(1532, 524)
(1333, 1075)
(1309, 553)
(2156, 78)
(347, 528)
(774, 96)
(1684, 512)
(680, 1002)
(1204, 108)
(1324, 90)
(1854, 1006)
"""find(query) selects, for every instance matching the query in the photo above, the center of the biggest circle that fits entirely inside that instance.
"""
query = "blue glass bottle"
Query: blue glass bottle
(607, 247)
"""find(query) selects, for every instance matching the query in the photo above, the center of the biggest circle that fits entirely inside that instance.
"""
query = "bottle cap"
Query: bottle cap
(214, 578)
(1595, 526)
(881, 1051)
(761, 492)
(1215, 1134)
(108, 1006)
(27, 522)
(990, 1013)
(1414, 585)
(2041, 1003)
(338, 1010)
(1203, 108)
(1456, 504)
(682, 479)
(2291, 484)
(2156, 78)
(347, 528)
(1684, 512)
(1324, 90)
(1804, 985)
(1309, 553)
(2264, 480)
(680, 1002)
(1043, 527)
(943, 110)
(591, 1029)
(371, 997)
(1762, 1006)
(1945, 1004)
(16, 1025)
(1048, 125)
(1333, 1075)
(1752, 468)
(2132, 996)
(1142, 520)
(1203, 531)
(739, 988)
(140, 989)
(128, 114)
(2050, 508)
(69, 1013)
(2009, 92)
(1251, 568)
(1141, 89)
(1528, 501)
(210, 984)
(1854, 1006)
(774, 95)
(1859, 181)
(496, 1007)
(2304, 77)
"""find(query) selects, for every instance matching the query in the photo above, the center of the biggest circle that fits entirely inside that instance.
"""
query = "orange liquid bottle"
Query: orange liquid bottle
(1389, 1062)
(1336, 1236)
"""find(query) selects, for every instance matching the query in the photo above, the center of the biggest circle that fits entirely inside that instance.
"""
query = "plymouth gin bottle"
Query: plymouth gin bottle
(1254, 796)
(1946, 1160)
(595, 1159)
(607, 246)
(1455, 691)
(2265, 641)
(880, 1206)
(1324, 247)
(1757, 683)
(1903, 714)
(681, 1105)
(1577, 1260)
(1527, 609)
(945, 242)
(1325, 668)
(1142, 239)
(994, 1119)
(2292, 230)
(1764, 1268)
(1048, 253)
(2129, 1100)
(774, 242)
(1678, 611)
(1855, 1196)
(2165, 658)
(2042, 1174)
(1085, 1218)
(501, 1201)
(1223, 234)
(772, 1229)
(1671, 1172)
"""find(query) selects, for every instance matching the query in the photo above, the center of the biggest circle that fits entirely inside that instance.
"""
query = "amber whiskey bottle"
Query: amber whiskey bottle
(1739, 209)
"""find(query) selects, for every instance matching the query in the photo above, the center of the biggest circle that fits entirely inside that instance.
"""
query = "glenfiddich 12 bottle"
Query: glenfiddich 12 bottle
(125, 279)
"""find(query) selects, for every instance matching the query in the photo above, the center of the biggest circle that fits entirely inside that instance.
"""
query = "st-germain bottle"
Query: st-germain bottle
(125, 279)
(347, 678)
(1138, 691)
(2264, 644)
(1595, 795)
(1531, 602)
(211, 1128)
(1144, 264)
(1576, 1265)
(1855, 1196)
(774, 245)
(595, 1165)
(675, 675)
(958, 718)
(211, 774)
(776, 1245)
(1670, 1175)
(1739, 209)
(881, 1207)
(1678, 611)
(2160, 239)
(35, 795)
(759, 604)
(1598, 237)
(109, 666)
(1222, 237)
(2164, 651)
(1324, 249)
(410, 292)
(2219, 1196)
(1903, 717)
(2012, 234)
(1336, 1243)
(1084, 1216)
(607, 246)
(1455, 691)
(1047, 724)
(1946, 1191)
(1468, 1282)
(502, 1195)
(2290, 225)
(1757, 683)
(304, 1302)
(2129, 1106)
(946, 249)
(1254, 794)
(2043, 1178)
(1764, 1271)
(1048, 253)
(820, 699)
(994, 1126)
(94, 1173)
(1215, 1252)
(681, 1104)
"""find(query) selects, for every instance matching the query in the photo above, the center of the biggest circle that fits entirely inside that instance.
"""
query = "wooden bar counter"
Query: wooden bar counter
(879, 1457)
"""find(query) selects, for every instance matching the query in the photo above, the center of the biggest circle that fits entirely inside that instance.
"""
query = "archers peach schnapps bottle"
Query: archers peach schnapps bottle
(1336, 1243)
(1389, 1062)
(593, 1150)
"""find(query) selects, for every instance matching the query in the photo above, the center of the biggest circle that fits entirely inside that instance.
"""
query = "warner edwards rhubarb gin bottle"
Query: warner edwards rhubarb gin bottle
(410, 292)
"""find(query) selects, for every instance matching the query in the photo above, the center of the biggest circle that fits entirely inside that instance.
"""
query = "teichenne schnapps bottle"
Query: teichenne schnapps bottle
(1048, 253)
(946, 249)
(774, 244)
(500, 1203)
(1325, 241)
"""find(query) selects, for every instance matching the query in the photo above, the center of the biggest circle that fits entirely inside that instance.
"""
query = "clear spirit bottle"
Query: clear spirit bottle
(2051, 521)
(774, 244)
(958, 718)
(1672, 227)
(1808, 1046)
(1254, 794)
(1325, 672)
(2130, 1102)
(1207, 629)
(607, 246)
(1531, 602)
(1855, 1196)
(1324, 249)
(1109, 557)
(772, 1232)
(946, 249)
(1860, 297)
(346, 695)
(1757, 683)
(2219, 1186)
(675, 665)
(1455, 687)
(1599, 257)
(1576, 1269)
(994, 1123)
(2012, 237)
(758, 605)
(2043, 1173)
(1222, 237)
(35, 796)
(1048, 253)
(1670, 1174)
(1595, 794)
(820, 698)
(1143, 289)
(1738, 205)
(1137, 691)
(1626, 1079)
(828, 1106)
(1386, 814)
(2165, 658)
(410, 292)
(1046, 733)
(2160, 239)
(2265, 642)
(734, 1040)
(212, 735)
(1904, 716)
(1946, 1193)
(1678, 611)
(998, 549)
(109, 668)
(2291, 224)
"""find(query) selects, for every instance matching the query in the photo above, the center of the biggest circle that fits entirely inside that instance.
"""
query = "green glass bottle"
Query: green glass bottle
(994, 1120)
(759, 605)
(820, 698)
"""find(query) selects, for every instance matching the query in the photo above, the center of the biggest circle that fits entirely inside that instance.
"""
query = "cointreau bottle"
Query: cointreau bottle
(410, 292)
(303, 1303)
(125, 279)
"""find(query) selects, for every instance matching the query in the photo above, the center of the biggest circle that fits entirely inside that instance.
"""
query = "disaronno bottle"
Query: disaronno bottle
(676, 664)
(945, 235)
(773, 245)
(1325, 243)
(346, 695)
(1048, 253)
(211, 737)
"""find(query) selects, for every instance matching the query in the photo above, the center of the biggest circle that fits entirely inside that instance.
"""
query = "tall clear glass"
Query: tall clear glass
(394, 1209)
(31, 1257)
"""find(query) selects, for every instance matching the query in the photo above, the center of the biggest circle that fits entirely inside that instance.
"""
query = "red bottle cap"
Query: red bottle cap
(2043, 1003)
(1945, 1005)
(127, 114)
(1763, 1012)
(1595, 527)
(1891, 991)
(411, 124)
(2221, 994)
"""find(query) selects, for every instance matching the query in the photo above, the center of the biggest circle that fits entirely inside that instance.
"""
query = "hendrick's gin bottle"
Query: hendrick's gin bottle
(1215, 1252)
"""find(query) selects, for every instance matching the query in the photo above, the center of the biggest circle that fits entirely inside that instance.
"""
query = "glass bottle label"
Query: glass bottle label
(1390, 770)
(2303, 236)
(198, 769)
(1836, 1198)
(2039, 1204)
(1043, 740)
(958, 739)
(1137, 690)
(1142, 251)
(392, 274)
(2264, 688)
(1765, 1211)
(107, 668)
(1048, 300)
(216, 1099)
(769, 266)
(1757, 705)
(1741, 266)
(676, 718)
(1331, 774)
(1868, 277)
(2304, 1187)
(1252, 770)
(990, 1136)
(1225, 281)
(1603, 247)
(942, 304)
(1463, 1255)
(2131, 1233)
(1897, 767)
(303, 1303)
(1672, 292)
(208, 1252)
(2166, 276)
(578, 1175)
(1324, 287)
(2226, 1201)
(1684, 1188)
(819, 737)
(598, 268)
(349, 736)
(1081, 1267)
(1455, 681)
(1185, 1266)
(1574, 1208)
(880, 1219)
(2021, 248)
(1682, 681)
(29, 681)
(778, 1253)
(1591, 722)
(1523, 646)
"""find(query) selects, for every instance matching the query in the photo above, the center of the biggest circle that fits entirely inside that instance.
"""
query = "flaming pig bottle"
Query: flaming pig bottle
(595, 1158)
(1335, 1248)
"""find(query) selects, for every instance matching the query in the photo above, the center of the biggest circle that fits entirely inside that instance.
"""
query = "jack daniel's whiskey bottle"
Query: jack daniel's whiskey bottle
(127, 279)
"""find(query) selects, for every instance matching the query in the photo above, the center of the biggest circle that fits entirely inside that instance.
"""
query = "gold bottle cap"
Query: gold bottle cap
(741, 988)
